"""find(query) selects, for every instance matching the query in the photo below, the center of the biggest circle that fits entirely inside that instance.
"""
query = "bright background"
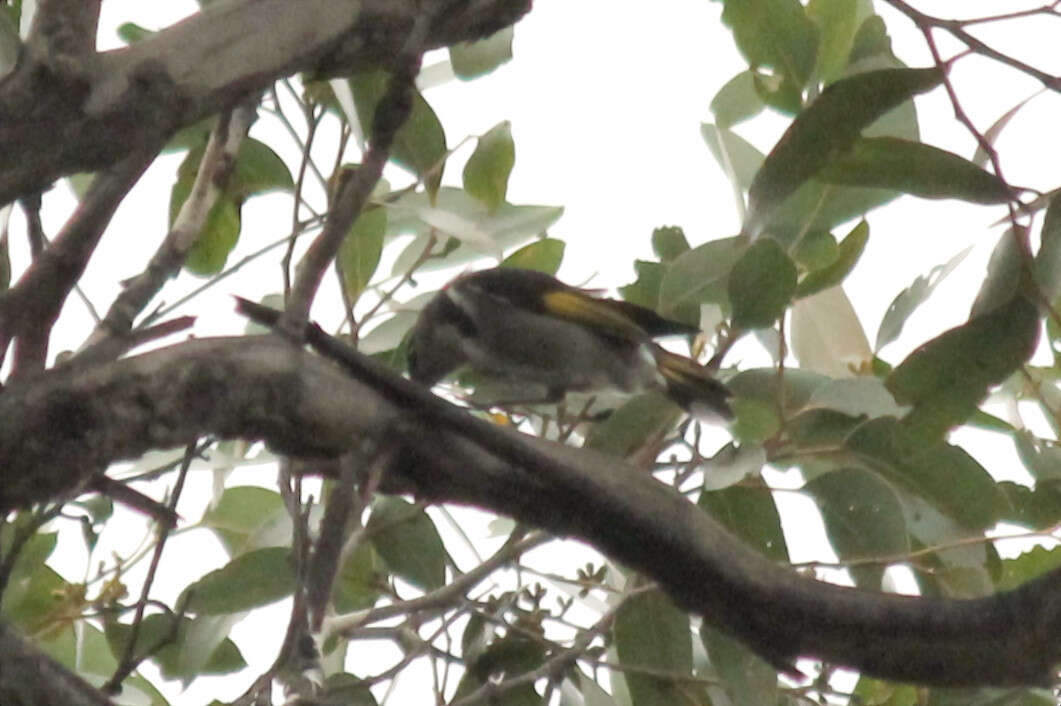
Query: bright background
(606, 100)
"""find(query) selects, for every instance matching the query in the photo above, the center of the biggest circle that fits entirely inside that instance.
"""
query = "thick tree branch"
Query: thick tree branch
(111, 104)
(28, 677)
(68, 424)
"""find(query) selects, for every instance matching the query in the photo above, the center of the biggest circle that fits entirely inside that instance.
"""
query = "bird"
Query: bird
(527, 327)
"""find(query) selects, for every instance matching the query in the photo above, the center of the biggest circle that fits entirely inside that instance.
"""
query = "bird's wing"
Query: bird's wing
(543, 294)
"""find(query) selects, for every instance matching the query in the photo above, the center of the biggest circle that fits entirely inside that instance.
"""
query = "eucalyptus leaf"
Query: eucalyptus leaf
(761, 285)
(251, 580)
(946, 378)
(847, 254)
(651, 632)
(863, 519)
(829, 126)
(907, 301)
(736, 101)
(361, 249)
(913, 168)
(750, 513)
(473, 59)
(944, 475)
(487, 170)
(407, 541)
(774, 33)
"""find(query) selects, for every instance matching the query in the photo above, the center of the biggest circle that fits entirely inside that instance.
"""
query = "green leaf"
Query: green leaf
(1043, 460)
(913, 168)
(240, 516)
(956, 567)
(86, 652)
(980, 157)
(779, 92)
(700, 275)
(736, 101)
(774, 33)
(130, 32)
(644, 419)
(668, 242)
(946, 378)
(739, 159)
(943, 474)
(407, 541)
(420, 145)
(837, 22)
(251, 580)
(1029, 565)
(542, 255)
(756, 420)
(874, 692)
(347, 690)
(218, 237)
(820, 206)
(473, 59)
(761, 384)
(1032, 508)
(32, 598)
(360, 580)
(816, 250)
(732, 464)
(201, 645)
(822, 428)
(650, 632)
(912, 297)
(486, 171)
(829, 126)
(761, 285)
(30, 593)
(750, 513)
(360, 251)
(455, 213)
(1005, 272)
(10, 43)
(1048, 259)
(258, 170)
(863, 396)
(871, 42)
(644, 291)
(863, 519)
(746, 677)
(847, 254)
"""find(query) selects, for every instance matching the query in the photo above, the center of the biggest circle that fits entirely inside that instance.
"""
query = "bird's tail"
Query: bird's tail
(691, 385)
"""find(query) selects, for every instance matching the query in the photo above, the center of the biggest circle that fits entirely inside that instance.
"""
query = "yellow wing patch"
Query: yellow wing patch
(595, 313)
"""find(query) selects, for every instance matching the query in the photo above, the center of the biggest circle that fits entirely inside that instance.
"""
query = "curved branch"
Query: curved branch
(70, 423)
(50, 683)
(197, 67)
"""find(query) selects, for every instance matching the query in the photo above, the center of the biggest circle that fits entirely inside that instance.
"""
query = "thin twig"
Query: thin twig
(215, 169)
(391, 113)
(130, 660)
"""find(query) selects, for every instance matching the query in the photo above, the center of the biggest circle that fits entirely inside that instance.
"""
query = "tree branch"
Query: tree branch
(215, 169)
(198, 67)
(29, 309)
(28, 677)
(67, 424)
(391, 113)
